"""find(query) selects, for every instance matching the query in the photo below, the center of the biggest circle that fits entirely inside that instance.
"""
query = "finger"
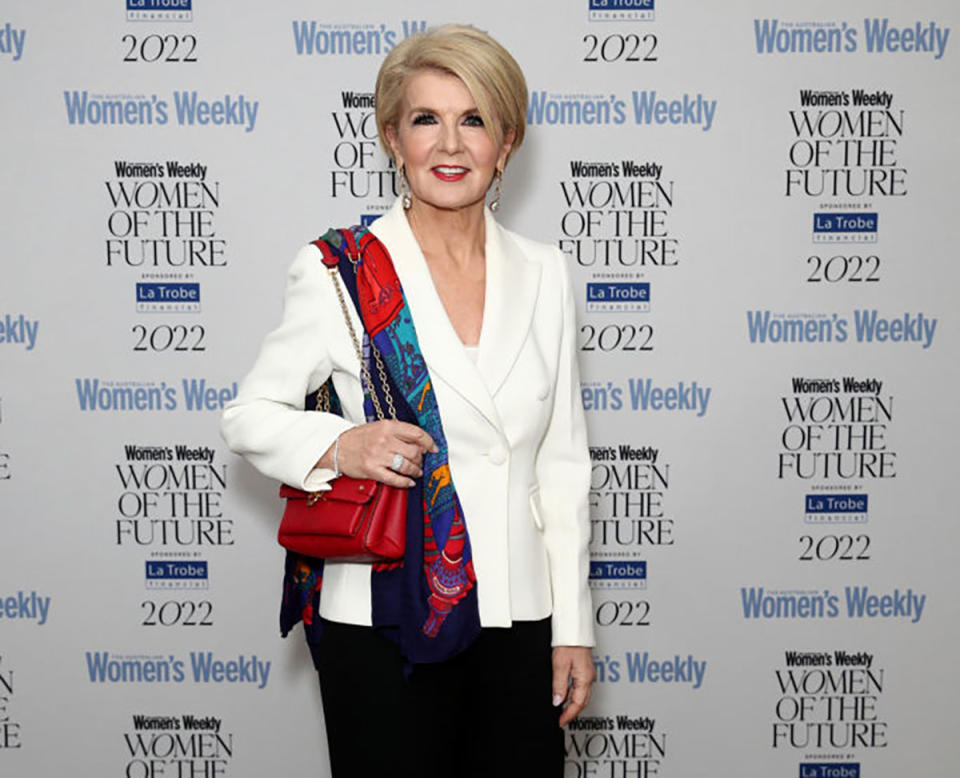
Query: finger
(584, 680)
(561, 680)
(387, 476)
(579, 694)
(414, 434)
(408, 451)
(406, 467)
(580, 691)
(571, 711)
(578, 697)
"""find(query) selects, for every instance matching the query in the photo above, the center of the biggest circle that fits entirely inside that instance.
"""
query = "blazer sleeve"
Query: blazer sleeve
(267, 423)
(563, 477)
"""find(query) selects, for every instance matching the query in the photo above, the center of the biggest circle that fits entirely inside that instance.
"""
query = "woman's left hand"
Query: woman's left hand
(573, 677)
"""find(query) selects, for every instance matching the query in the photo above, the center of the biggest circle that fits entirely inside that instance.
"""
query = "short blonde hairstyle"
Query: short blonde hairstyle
(490, 73)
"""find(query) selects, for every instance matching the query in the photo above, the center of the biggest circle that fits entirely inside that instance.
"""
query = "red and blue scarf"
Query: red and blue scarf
(427, 603)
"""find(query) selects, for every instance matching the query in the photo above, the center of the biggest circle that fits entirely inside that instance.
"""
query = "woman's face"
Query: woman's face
(441, 141)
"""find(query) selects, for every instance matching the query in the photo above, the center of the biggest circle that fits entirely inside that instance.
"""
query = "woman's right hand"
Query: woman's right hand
(368, 450)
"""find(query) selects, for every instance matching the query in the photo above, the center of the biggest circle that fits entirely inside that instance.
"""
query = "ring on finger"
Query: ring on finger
(397, 462)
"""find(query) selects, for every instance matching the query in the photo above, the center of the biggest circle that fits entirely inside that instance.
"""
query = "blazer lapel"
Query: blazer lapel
(513, 283)
(442, 349)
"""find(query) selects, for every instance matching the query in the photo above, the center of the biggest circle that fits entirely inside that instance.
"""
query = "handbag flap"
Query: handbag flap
(355, 490)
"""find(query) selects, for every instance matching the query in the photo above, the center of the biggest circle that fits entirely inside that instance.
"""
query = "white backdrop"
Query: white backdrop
(757, 203)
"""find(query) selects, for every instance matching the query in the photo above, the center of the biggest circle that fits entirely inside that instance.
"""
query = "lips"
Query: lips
(449, 172)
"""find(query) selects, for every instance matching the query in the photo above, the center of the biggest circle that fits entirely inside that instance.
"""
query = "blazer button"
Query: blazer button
(498, 455)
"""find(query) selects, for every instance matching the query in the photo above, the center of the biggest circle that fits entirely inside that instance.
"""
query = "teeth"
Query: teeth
(450, 171)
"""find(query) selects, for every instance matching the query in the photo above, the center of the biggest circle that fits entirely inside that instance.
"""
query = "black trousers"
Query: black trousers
(487, 712)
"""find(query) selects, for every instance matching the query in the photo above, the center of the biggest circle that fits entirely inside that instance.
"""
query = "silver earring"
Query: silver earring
(498, 190)
(405, 195)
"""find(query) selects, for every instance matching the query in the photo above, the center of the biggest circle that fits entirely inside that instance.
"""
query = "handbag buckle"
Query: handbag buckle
(314, 498)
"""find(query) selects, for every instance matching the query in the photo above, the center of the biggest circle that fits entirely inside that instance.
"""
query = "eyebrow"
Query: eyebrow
(424, 109)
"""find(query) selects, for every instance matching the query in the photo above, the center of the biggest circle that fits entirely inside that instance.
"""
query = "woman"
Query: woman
(494, 320)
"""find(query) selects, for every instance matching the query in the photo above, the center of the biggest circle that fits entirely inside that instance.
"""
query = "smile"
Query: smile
(449, 172)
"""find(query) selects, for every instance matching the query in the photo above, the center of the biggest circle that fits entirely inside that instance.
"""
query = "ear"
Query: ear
(391, 132)
(505, 148)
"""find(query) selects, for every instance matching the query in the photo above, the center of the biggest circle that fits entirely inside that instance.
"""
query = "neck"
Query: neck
(455, 235)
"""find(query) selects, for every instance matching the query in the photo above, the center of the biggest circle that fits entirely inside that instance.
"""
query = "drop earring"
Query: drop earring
(405, 196)
(497, 192)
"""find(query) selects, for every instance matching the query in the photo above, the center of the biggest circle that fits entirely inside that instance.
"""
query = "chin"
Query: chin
(450, 203)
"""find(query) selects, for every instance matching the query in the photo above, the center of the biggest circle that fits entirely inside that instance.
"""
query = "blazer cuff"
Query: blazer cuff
(573, 630)
(313, 478)
(318, 480)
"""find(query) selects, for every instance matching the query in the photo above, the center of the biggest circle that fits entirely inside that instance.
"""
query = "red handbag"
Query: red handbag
(357, 519)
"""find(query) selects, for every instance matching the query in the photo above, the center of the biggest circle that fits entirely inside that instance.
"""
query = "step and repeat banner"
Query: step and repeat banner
(757, 204)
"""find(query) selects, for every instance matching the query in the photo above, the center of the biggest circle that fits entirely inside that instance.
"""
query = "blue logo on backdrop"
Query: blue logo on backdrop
(188, 108)
(16, 328)
(11, 41)
(201, 667)
(25, 605)
(618, 575)
(95, 394)
(159, 10)
(366, 219)
(618, 296)
(641, 394)
(855, 602)
(777, 36)
(835, 508)
(645, 107)
(168, 297)
(845, 227)
(828, 770)
(620, 10)
(350, 38)
(868, 326)
(177, 575)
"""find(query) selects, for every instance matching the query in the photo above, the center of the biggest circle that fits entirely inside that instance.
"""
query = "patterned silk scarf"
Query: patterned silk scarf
(427, 604)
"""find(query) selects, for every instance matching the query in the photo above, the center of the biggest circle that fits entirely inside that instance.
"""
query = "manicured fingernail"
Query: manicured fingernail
(557, 699)
(435, 449)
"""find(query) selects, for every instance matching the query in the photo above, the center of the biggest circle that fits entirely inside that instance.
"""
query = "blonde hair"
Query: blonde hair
(490, 73)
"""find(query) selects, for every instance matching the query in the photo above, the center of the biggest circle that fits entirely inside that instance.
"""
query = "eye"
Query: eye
(473, 120)
(424, 118)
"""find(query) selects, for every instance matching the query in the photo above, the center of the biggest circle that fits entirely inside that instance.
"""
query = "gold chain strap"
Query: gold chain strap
(323, 397)
(381, 370)
(364, 368)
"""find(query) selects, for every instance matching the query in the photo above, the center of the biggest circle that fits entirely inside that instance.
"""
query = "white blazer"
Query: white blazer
(513, 421)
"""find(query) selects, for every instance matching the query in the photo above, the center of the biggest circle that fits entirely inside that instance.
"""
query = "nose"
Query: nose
(450, 140)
